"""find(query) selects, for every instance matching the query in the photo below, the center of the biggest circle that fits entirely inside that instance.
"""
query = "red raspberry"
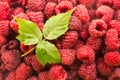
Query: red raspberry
(116, 4)
(28, 59)
(3, 40)
(86, 54)
(63, 6)
(44, 76)
(11, 59)
(105, 12)
(1, 75)
(69, 39)
(115, 24)
(87, 3)
(97, 28)
(57, 72)
(72, 75)
(115, 74)
(11, 76)
(112, 58)
(23, 72)
(74, 2)
(103, 68)
(82, 13)
(18, 10)
(49, 10)
(4, 10)
(95, 43)
(55, 1)
(104, 2)
(75, 23)
(4, 28)
(87, 72)
(67, 56)
(112, 39)
(79, 44)
(33, 78)
(36, 5)
(13, 44)
(117, 15)
(92, 13)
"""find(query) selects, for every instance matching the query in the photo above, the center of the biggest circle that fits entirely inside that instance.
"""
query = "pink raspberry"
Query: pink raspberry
(103, 68)
(18, 10)
(86, 54)
(116, 4)
(36, 5)
(3, 40)
(97, 28)
(87, 72)
(4, 10)
(55, 1)
(112, 58)
(75, 23)
(117, 15)
(11, 76)
(67, 56)
(95, 43)
(82, 13)
(57, 72)
(23, 72)
(69, 39)
(33, 78)
(104, 12)
(43, 75)
(49, 10)
(74, 2)
(79, 44)
(104, 2)
(13, 44)
(112, 39)
(63, 6)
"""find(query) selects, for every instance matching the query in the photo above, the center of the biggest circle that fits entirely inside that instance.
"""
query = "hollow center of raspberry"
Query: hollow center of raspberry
(99, 27)
(63, 10)
(85, 58)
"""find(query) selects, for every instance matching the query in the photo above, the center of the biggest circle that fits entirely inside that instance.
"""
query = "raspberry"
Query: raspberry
(74, 2)
(75, 23)
(36, 5)
(4, 10)
(82, 13)
(57, 43)
(72, 75)
(11, 59)
(79, 44)
(44, 75)
(57, 73)
(104, 2)
(95, 43)
(92, 13)
(103, 68)
(69, 39)
(11, 76)
(87, 72)
(112, 58)
(28, 59)
(116, 4)
(18, 10)
(86, 54)
(13, 44)
(87, 3)
(49, 10)
(117, 15)
(104, 12)
(63, 6)
(97, 28)
(41, 26)
(23, 72)
(67, 56)
(47, 1)
(115, 24)
(1, 75)
(4, 28)
(112, 39)
(3, 40)
(33, 78)
(115, 75)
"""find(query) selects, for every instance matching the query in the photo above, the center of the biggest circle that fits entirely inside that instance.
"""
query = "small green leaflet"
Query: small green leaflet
(29, 32)
(46, 52)
(57, 25)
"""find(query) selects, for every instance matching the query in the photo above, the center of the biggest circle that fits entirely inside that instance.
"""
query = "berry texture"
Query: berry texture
(33, 78)
(3, 40)
(11, 76)
(116, 4)
(115, 75)
(79, 44)
(117, 15)
(104, 2)
(43, 76)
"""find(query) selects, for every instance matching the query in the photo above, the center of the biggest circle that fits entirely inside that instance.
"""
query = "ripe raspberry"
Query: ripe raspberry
(4, 28)
(23, 72)
(67, 56)
(117, 15)
(69, 39)
(115, 75)
(36, 5)
(11, 59)
(87, 72)
(72, 75)
(97, 28)
(1, 75)
(63, 6)
(11, 76)
(95, 43)
(104, 2)
(43, 76)
(75, 23)
(13, 44)
(103, 68)
(4, 10)
(74, 2)
(28, 59)
(116, 4)
(55, 1)
(112, 39)
(79, 44)
(18, 10)
(57, 72)
(49, 10)
(92, 14)
(86, 54)
(87, 3)
(112, 58)
(33, 78)
(105, 12)
(3, 40)
(82, 13)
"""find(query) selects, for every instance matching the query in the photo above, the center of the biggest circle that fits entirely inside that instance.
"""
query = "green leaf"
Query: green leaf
(57, 25)
(46, 52)
(29, 32)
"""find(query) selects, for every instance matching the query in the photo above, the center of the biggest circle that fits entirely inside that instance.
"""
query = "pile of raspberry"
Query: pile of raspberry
(89, 50)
